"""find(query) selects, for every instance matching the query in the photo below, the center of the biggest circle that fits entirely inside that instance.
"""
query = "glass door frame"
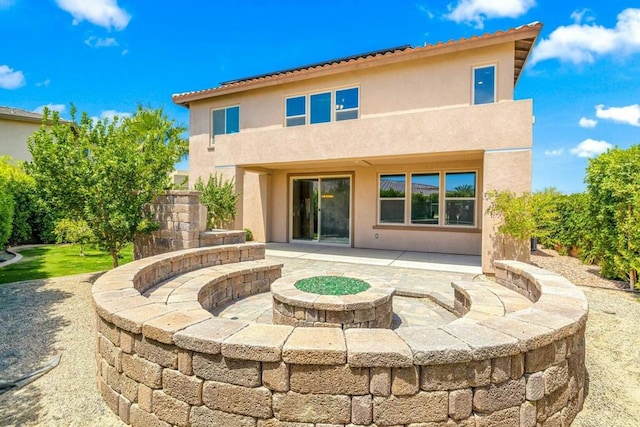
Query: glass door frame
(319, 177)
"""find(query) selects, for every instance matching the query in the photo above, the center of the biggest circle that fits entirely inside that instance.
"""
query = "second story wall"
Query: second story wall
(426, 83)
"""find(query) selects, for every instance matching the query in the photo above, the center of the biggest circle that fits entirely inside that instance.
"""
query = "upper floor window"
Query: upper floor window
(484, 85)
(323, 107)
(296, 111)
(347, 104)
(225, 120)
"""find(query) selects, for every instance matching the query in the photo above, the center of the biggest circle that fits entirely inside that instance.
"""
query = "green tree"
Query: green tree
(29, 220)
(220, 198)
(6, 213)
(613, 184)
(523, 216)
(106, 172)
(74, 232)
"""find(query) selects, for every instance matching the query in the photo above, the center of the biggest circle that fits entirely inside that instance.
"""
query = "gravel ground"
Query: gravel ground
(43, 318)
(613, 397)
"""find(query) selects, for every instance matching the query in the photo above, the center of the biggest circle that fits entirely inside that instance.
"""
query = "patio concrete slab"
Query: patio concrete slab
(468, 264)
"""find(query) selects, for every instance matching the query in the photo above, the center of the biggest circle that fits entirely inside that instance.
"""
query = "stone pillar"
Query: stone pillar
(181, 218)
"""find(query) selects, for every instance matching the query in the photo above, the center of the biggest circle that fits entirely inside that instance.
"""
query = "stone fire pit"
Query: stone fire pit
(371, 308)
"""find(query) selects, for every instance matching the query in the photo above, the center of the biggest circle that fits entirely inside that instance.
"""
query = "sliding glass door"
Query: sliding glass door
(321, 209)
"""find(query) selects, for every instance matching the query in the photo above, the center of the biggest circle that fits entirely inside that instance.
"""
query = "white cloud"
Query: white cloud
(5, 4)
(591, 148)
(10, 78)
(60, 108)
(629, 115)
(44, 83)
(474, 12)
(579, 43)
(94, 41)
(587, 123)
(104, 13)
(554, 153)
(582, 15)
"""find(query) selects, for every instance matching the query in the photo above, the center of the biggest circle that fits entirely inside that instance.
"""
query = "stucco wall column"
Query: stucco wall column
(503, 170)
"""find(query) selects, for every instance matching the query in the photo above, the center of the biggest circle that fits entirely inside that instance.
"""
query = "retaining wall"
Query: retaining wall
(161, 365)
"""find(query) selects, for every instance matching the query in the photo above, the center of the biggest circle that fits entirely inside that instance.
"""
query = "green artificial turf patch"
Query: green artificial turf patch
(332, 285)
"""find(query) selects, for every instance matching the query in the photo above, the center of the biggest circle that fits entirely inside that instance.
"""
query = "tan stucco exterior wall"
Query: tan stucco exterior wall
(414, 116)
(13, 138)
(509, 170)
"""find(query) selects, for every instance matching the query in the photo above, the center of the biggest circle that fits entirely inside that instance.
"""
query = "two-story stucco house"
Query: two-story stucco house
(393, 149)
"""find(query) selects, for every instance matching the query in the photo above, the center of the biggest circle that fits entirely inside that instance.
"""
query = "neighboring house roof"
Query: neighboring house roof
(17, 114)
(524, 37)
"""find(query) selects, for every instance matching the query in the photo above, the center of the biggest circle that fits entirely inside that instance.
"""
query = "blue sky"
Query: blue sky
(107, 56)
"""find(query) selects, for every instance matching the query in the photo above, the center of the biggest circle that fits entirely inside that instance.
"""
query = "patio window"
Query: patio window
(225, 121)
(425, 195)
(392, 199)
(484, 85)
(460, 199)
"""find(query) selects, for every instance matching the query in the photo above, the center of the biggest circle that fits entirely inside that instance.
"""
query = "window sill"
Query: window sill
(427, 228)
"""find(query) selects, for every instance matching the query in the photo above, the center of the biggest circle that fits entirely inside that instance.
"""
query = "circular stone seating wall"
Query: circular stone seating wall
(160, 363)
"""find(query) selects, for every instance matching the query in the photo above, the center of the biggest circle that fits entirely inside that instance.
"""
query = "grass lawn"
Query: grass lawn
(59, 260)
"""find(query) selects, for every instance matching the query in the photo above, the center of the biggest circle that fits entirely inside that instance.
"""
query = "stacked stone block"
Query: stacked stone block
(372, 308)
(161, 366)
(178, 213)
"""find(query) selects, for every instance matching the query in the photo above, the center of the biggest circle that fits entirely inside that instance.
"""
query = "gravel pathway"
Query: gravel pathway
(43, 318)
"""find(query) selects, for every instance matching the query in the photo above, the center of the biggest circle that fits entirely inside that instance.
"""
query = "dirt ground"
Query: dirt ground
(43, 318)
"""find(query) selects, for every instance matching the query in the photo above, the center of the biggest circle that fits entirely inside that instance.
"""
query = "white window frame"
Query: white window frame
(306, 114)
(331, 103)
(345, 110)
(440, 175)
(442, 198)
(225, 108)
(381, 199)
(495, 83)
(333, 110)
(474, 199)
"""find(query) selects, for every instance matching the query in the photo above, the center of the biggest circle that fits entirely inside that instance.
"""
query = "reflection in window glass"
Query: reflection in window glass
(392, 193)
(226, 120)
(296, 111)
(392, 186)
(460, 194)
(425, 193)
(347, 104)
(233, 120)
(218, 122)
(460, 184)
(320, 107)
(484, 85)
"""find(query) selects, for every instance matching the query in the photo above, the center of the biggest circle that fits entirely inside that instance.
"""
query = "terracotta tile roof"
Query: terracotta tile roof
(523, 36)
